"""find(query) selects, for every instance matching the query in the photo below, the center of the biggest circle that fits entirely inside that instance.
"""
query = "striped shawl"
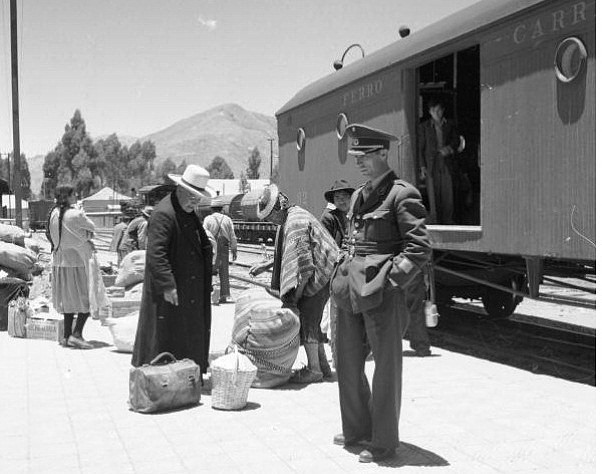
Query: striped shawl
(309, 254)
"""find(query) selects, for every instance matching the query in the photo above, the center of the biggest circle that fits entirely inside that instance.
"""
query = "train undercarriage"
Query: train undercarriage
(501, 282)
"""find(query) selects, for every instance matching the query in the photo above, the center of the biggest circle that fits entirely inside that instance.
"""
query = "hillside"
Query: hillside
(228, 131)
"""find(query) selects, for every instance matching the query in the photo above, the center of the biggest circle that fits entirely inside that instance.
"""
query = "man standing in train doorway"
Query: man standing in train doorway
(222, 228)
(388, 249)
(438, 142)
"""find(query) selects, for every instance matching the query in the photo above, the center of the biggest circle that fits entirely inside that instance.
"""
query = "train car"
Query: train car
(242, 209)
(38, 214)
(518, 79)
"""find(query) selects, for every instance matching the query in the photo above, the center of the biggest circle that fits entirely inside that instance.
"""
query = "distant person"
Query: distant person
(222, 228)
(304, 258)
(175, 313)
(118, 235)
(438, 141)
(70, 234)
(334, 219)
(142, 229)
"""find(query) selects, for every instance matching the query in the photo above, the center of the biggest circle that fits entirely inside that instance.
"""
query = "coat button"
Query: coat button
(192, 277)
(191, 301)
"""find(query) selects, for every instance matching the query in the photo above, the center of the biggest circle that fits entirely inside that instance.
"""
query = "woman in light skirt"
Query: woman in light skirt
(70, 232)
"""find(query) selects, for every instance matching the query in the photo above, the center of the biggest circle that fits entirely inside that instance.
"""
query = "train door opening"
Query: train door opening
(449, 137)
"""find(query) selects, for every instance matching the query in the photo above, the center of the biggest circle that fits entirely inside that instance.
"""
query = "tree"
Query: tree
(254, 163)
(244, 186)
(219, 169)
(167, 167)
(182, 167)
(74, 159)
(8, 175)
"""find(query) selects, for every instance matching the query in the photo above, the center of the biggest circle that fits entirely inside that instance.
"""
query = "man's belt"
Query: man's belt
(371, 248)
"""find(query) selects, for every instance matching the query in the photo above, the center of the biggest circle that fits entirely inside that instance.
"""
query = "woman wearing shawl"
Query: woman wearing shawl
(70, 232)
(304, 260)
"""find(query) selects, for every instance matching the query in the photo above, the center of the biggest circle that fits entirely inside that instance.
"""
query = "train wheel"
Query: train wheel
(500, 304)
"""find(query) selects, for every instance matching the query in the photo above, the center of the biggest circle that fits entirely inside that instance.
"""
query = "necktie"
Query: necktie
(367, 190)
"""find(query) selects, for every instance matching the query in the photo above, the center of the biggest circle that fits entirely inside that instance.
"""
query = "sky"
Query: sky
(134, 67)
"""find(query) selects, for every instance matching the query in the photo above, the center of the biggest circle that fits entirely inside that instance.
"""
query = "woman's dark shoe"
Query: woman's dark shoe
(376, 454)
(78, 343)
(306, 375)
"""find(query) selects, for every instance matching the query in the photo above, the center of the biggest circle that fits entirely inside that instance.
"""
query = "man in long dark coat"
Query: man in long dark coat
(175, 315)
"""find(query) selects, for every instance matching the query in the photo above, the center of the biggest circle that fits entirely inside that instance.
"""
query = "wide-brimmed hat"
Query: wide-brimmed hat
(267, 201)
(339, 185)
(147, 211)
(194, 179)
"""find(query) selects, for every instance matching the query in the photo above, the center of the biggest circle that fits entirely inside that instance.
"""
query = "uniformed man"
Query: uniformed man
(388, 247)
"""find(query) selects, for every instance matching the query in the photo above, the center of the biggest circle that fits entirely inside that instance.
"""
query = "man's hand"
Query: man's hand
(257, 269)
(423, 173)
(171, 296)
(234, 254)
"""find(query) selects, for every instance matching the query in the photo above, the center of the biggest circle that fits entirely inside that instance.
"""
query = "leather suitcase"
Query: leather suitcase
(164, 384)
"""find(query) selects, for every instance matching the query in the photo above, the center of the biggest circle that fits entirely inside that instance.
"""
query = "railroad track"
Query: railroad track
(526, 345)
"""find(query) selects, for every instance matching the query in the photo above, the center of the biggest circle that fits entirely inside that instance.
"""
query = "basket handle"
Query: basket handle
(166, 357)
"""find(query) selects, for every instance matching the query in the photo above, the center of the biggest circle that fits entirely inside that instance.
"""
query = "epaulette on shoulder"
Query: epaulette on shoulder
(401, 182)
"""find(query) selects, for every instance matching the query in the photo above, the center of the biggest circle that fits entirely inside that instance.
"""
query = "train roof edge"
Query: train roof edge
(454, 26)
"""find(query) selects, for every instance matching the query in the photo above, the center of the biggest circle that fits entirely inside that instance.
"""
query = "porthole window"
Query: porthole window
(300, 139)
(570, 56)
(342, 123)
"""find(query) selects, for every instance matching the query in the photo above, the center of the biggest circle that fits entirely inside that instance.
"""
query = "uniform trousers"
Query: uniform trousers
(373, 415)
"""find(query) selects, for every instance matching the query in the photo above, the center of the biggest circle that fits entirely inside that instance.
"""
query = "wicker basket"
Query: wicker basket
(231, 379)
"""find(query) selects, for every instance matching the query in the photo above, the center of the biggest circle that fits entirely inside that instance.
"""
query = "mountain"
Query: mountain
(227, 130)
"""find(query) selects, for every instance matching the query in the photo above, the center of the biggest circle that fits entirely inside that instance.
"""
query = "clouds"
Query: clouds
(209, 24)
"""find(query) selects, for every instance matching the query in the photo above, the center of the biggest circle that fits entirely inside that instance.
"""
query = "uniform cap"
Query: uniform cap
(364, 140)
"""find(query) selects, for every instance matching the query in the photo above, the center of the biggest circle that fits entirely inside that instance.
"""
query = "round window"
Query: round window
(570, 55)
(342, 123)
(300, 139)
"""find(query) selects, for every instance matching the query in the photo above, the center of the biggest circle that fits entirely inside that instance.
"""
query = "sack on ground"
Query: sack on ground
(12, 234)
(131, 270)
(267, 334)
(19, 259)
(164, 384)
(123, 331)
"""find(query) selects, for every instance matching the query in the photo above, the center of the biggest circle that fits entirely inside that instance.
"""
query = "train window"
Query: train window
(300, 139)
(342, 123)
(570, 55)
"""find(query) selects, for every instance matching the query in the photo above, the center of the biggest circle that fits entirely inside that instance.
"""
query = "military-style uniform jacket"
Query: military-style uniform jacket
(388, 245)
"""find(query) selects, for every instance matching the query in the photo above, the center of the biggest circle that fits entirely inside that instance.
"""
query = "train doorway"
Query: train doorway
(448, 155)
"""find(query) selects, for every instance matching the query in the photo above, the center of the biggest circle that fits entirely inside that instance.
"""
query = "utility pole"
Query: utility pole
(271, 140)
(15, 100)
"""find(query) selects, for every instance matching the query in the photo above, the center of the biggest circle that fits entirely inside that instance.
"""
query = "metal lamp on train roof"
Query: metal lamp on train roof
(338, 64)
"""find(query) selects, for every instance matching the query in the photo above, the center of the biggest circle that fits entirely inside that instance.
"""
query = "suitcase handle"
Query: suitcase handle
(167, 357)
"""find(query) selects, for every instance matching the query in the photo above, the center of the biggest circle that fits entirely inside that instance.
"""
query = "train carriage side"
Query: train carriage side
(529, 128)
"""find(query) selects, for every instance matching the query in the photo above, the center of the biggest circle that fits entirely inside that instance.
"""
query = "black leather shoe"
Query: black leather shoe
(376, 454)
(340, 440)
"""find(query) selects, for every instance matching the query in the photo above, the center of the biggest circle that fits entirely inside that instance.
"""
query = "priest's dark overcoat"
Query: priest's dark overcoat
(178, 256)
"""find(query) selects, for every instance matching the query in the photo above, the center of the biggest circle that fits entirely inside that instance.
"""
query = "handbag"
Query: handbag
(164, 384)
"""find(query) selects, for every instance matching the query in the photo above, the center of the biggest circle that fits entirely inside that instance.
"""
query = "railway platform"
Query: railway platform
(65, 411)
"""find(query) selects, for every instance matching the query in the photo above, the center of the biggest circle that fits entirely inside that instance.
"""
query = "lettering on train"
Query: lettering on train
(550, 23)
(363, 92)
